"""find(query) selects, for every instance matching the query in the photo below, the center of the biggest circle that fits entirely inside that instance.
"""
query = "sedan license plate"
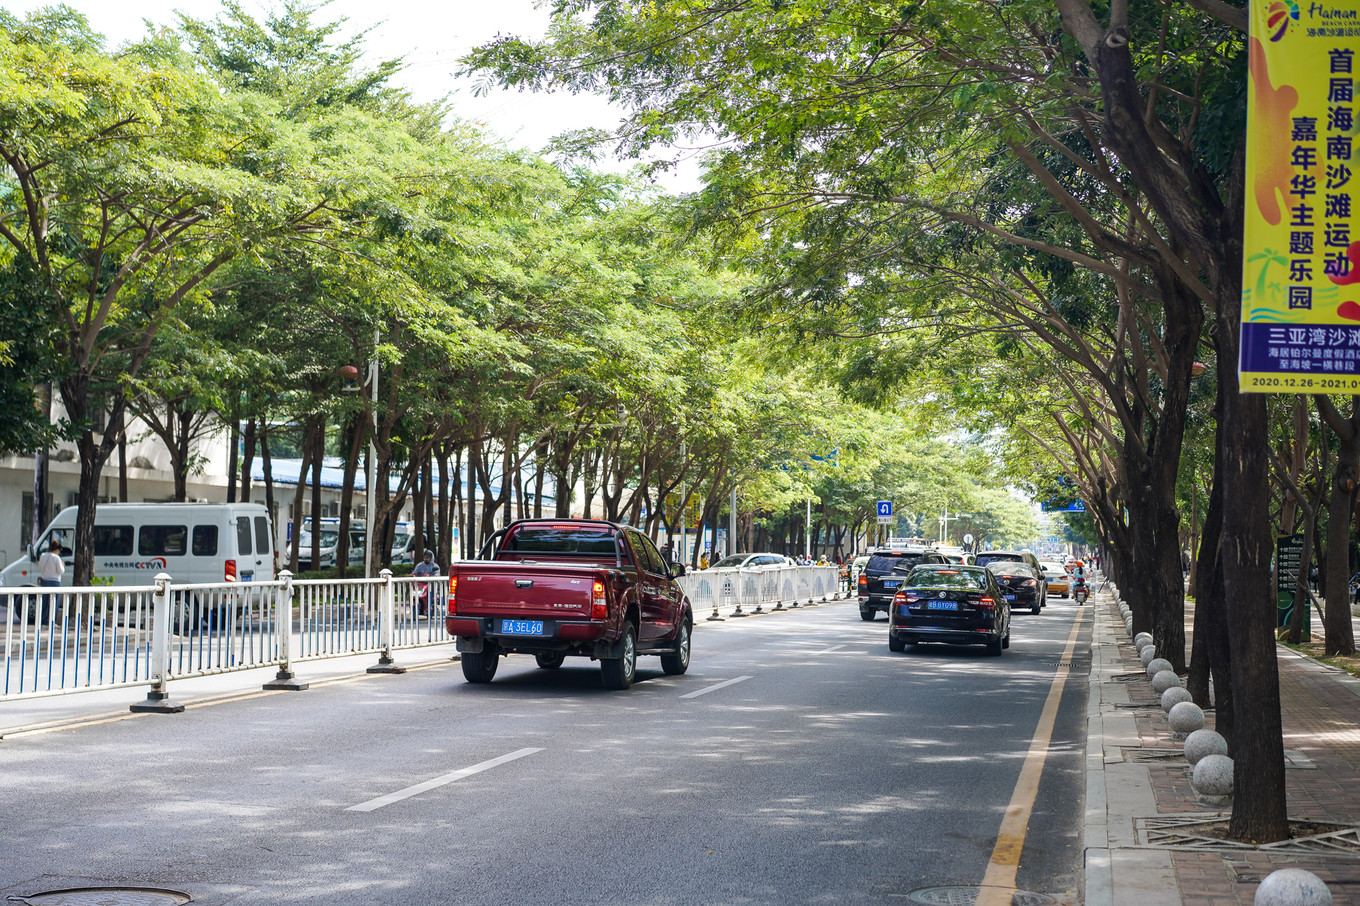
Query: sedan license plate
(942, 605)
(1010, 597)
(891, 583)
(522, 627)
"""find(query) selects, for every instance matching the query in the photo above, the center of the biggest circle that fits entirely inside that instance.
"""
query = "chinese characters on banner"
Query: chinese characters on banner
(1301, 262)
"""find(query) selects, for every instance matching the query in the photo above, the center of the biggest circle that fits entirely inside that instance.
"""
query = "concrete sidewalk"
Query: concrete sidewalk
(1142, 844)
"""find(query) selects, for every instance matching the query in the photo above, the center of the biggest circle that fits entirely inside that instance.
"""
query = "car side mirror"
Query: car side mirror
(677, 570)
(33, 553)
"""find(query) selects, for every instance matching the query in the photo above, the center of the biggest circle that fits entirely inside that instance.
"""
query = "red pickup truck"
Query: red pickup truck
(558, 588)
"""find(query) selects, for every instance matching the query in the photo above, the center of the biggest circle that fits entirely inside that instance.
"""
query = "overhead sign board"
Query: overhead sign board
(1076, 506)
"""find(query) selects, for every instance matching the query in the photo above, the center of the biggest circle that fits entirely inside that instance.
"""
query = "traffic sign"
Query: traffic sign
(885, 513)
(968, 539)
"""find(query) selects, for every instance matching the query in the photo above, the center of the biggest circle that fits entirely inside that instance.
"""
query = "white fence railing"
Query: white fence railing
(62, 640)
(752, 590)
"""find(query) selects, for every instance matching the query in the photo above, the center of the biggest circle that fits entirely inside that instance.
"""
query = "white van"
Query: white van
(133, 542)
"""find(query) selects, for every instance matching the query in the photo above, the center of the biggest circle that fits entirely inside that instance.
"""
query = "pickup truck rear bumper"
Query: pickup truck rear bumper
(573, 637)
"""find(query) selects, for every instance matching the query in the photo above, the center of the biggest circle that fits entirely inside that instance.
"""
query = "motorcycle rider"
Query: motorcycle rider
(426, 567)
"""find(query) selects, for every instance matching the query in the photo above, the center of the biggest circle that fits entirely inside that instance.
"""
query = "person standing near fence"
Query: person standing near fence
(50, 570)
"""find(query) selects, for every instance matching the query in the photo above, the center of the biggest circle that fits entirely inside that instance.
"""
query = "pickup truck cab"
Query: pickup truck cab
(559, 588)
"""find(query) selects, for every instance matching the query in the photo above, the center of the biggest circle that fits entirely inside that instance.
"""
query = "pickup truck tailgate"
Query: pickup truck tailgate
(525, 591)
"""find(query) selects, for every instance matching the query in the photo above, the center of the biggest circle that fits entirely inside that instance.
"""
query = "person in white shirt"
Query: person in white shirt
(50, 570)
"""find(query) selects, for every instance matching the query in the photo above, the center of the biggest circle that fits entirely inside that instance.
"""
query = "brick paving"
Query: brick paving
(1321, 722)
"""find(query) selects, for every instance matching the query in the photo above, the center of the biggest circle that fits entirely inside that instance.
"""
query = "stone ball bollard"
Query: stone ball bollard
(1185, 718)
(1163, 680)
(1204, 742)
(1147, 653)
(1292, 887)
(1142, 639)
(1157, 665)
(1174, 696)
(1212, 779)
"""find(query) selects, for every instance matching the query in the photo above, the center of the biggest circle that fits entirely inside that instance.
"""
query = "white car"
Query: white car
(750, 561)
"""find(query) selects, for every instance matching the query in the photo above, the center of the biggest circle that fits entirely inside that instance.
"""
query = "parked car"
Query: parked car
(750, 561)
(884, 573)
(960, 605)
(330, 543)
(985, 558)
(1020, 583)
(1059, 582)
(558, 588)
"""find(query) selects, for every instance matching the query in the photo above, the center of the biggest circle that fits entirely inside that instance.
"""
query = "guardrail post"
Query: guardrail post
(157, 698)
(285, 679)
(387, 611)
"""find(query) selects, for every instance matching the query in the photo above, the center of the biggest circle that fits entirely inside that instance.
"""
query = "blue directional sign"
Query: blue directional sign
(885, 508)
(1075, 506)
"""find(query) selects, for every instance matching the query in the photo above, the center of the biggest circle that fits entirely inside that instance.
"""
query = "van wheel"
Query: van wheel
(678, 662)
(619, 672)
(188, 614)
(480, 666)
(550, 660)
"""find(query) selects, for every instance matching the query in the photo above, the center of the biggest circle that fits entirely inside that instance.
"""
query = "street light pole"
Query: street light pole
(371, 478)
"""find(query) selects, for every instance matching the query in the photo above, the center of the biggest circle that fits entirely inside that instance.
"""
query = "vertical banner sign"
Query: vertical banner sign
(1301, 258)
(1288, 560)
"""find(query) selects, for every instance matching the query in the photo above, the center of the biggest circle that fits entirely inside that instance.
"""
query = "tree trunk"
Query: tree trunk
(1259, 808)
(247, 459)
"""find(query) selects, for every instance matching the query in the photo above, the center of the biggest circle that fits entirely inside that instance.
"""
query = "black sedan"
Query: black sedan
(1020, 583)
(961, 605)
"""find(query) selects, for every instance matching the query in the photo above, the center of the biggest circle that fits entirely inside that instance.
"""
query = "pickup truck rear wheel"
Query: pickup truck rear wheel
(619, 672)
(678, 662)
(480, 666)
(550, 660)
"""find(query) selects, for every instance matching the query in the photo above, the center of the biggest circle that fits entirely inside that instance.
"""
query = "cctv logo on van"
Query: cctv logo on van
(153, 563)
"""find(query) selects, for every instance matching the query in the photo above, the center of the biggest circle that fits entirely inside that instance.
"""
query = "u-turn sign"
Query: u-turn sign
(885, 512)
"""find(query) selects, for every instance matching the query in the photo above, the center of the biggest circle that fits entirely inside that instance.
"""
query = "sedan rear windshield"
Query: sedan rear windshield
(986, 559)
(550, 539)
(924, 577)
(884, 563)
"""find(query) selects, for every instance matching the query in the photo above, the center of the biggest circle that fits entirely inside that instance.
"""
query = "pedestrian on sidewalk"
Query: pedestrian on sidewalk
(50, 570)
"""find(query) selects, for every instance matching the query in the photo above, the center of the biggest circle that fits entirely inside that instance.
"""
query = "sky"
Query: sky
(431, 36)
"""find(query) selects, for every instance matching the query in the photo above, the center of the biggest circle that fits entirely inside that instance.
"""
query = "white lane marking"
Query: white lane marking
(373, 804)
(829, 650)
(716, 687)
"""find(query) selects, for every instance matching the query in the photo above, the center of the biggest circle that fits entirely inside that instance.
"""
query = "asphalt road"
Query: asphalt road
(799, 761)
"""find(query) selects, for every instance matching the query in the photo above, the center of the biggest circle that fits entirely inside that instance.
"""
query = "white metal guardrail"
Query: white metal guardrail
(66, 640)
(752, 590)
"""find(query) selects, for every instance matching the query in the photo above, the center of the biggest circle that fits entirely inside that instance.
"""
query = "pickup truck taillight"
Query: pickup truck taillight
(453, 596)
(599, 607)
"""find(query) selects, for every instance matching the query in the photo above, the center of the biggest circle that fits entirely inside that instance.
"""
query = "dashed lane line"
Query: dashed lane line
(442, 780)
(716, 687)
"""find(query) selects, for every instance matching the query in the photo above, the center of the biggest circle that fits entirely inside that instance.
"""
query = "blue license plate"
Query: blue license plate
(522, 627)
(942, 605)
(891, 583)
(1010, 597)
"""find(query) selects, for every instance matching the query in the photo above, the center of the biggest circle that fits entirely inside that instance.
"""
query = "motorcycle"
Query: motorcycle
(1080, 593)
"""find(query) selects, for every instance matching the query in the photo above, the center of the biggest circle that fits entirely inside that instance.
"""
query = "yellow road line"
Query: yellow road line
(95, 720)
(998, 884)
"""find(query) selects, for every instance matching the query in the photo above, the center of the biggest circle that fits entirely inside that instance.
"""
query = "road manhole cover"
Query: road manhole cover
(967, 896)
(106, 896)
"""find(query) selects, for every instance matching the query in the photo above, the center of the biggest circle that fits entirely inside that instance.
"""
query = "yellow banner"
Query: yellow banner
(1301, 260)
